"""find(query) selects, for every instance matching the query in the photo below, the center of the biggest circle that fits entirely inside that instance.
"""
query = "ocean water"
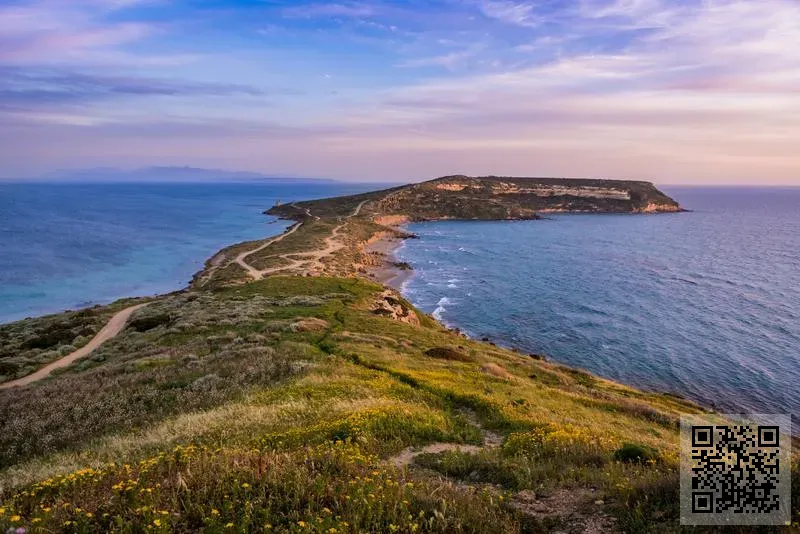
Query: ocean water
(704, 304)
(66, 246)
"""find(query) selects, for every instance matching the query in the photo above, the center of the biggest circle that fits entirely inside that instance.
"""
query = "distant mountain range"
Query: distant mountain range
(168, 174)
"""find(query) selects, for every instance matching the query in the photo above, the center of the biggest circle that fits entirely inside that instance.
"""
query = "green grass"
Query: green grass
(277, 402)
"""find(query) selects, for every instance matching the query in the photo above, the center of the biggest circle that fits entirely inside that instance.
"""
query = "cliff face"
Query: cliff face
(492, 197)
(463, 197)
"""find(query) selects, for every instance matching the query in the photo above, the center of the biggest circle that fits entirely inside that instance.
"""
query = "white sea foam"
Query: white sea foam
(440, 308)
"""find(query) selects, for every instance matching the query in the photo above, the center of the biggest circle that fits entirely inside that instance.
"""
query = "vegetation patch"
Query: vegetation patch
(631, 452)
(447, 353)
(147, 322)
(271, 402)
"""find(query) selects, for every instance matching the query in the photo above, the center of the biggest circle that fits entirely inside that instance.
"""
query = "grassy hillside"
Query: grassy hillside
(279, 402)
(313, 400)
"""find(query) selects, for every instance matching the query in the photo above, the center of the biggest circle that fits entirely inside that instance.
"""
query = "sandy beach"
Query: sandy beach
(386, 272)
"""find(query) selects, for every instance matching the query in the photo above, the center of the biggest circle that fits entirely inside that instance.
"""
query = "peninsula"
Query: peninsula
(285, 390)
(332, 236)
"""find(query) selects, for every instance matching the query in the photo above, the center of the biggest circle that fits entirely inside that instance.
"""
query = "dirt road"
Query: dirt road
(111, 329)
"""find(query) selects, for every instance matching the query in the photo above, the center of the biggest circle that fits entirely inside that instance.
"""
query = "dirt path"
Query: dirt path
(332, 244)
(252, 271)
(576, 510)
(111, 329)
(490, 441)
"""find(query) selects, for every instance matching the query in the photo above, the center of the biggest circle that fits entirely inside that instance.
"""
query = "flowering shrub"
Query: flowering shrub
(331, 487)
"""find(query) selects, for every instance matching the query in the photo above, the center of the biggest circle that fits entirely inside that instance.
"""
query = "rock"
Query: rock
(309, 324)
(391, 305)
(599, 502)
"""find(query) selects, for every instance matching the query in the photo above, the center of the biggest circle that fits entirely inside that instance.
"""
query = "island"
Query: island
(287, 390)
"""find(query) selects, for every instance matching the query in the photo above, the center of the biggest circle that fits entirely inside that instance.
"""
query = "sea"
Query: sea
(704, 304)
(73, 245)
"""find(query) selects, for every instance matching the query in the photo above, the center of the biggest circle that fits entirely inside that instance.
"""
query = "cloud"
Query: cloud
(616, 87)
(53, 31)
(347, 10)
(450, 60)
(51, 89)
(516, 13)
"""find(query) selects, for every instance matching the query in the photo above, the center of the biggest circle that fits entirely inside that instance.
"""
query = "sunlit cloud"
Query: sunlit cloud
(671, 91)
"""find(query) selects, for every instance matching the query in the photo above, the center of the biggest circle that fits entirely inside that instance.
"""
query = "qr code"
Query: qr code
(735, 470)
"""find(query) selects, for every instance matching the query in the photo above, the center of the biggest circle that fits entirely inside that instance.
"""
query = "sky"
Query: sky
(672, 91)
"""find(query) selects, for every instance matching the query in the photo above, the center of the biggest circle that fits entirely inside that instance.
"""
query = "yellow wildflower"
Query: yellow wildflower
(229, 525)
(15, 518)
(301, 524)
(214, 511)
(157, 522)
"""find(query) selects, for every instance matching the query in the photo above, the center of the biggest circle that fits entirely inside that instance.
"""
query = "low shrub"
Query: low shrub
(631, 452)
(446, 353)
(148, 322)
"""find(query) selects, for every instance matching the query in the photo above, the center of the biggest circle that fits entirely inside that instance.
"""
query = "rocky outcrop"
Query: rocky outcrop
(390, 304)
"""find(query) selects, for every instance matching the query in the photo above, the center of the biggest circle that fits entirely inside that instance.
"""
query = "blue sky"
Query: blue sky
(672, 91)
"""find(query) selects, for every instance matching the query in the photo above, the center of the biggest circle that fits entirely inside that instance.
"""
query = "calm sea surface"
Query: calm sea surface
(705, 304)
(72, 245)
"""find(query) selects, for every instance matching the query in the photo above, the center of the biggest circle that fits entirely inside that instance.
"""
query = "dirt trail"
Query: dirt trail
(576, 510)
(111, 329)
(490, 441)
(332, 244)
(253, 272)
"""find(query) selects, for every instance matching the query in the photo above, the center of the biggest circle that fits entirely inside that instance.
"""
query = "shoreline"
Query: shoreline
(386, 272)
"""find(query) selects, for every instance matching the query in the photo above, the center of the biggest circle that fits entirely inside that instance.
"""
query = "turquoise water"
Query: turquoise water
(66, 246)
(705, 304)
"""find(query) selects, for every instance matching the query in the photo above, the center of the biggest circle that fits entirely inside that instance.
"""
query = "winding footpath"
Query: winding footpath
(111, 329)
(252, 271)
(332, 244)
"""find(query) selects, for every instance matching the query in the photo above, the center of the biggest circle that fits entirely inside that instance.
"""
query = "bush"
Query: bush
(148, 322)
(631, 452)
(50, 338)
(446, 353)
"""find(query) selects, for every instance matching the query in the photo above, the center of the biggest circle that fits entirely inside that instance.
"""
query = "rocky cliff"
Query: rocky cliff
(493, 197)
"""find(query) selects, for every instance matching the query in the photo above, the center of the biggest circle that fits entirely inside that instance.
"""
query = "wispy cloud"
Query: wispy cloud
(450, 60)
(517, 13)
(616, 87)
(351, 9)
(38, 87)
(50, 31)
